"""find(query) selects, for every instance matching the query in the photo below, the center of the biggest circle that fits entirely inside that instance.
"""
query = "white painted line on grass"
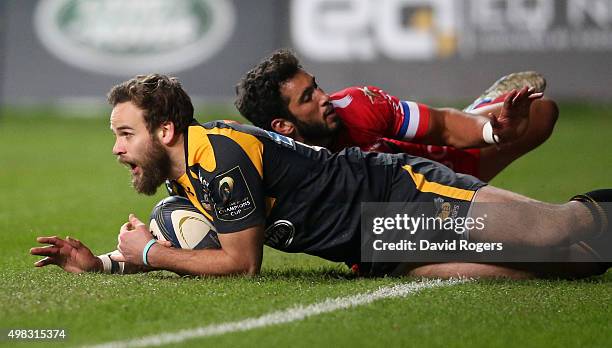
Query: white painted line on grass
(283, 316)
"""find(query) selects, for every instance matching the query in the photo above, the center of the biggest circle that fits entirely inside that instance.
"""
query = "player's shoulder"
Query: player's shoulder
(359, 91)
(207, 141)
(360, 95)
(227, 128)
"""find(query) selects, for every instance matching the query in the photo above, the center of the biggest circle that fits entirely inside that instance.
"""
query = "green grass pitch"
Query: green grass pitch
(57, 176)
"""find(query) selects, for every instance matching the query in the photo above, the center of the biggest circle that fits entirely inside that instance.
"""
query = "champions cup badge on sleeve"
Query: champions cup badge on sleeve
(226, 186)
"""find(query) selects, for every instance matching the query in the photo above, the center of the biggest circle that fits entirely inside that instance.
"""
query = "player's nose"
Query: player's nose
(118, 148)
(323, 98)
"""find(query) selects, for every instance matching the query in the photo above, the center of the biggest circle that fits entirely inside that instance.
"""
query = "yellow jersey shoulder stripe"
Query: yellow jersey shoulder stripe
(201, 151)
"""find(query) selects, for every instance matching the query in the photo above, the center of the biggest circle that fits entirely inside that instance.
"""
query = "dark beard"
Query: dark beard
(155, 169)
(317, 134)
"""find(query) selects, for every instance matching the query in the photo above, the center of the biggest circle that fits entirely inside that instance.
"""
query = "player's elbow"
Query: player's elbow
(546, 114)
(543, 116)
(249, 269)
(253, 270)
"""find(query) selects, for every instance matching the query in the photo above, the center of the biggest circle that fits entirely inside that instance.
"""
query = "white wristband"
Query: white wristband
(106, 263)
(487, 134)
(109, 266)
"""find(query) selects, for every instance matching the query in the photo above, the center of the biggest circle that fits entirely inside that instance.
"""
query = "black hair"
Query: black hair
(258, 96)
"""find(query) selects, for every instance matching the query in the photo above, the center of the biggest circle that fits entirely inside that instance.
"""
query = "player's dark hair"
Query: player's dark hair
(258, 96)
(161, 97)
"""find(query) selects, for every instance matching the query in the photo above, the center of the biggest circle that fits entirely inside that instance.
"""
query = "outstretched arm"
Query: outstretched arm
(75, 257)
(116, 267)
(462, 130)
(241, 252)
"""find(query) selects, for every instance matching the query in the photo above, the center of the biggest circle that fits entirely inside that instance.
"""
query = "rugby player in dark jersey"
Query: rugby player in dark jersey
(259, 188)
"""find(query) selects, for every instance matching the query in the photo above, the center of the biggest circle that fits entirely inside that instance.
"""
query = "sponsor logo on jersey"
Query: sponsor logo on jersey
(280, 234)
(129, 37)
(444, 210)
(369, 93)
(281, 139)
(342, 102)
(204, 195)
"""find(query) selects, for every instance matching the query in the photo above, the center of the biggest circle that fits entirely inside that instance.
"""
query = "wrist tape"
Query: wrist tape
(487, 134)
(110, 266)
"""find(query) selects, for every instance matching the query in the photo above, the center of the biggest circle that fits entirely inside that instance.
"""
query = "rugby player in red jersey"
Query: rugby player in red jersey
(372, 119)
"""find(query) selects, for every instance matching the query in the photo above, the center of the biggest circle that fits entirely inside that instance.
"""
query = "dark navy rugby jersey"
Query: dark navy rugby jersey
(308, 199)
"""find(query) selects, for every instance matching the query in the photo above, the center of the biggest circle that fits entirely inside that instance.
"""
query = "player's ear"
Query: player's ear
(283, 126)
(165, 133)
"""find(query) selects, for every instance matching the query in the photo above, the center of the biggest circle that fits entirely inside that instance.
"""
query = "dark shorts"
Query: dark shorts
(421, 188)
(419, 179)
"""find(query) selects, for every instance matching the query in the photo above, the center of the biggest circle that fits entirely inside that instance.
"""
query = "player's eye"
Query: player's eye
(307, 95)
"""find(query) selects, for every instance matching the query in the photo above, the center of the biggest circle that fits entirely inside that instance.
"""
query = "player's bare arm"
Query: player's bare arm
(75, 257)
(465, 130)
(241, 252)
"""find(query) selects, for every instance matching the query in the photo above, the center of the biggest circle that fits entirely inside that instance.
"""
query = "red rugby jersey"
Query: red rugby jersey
(370, 114)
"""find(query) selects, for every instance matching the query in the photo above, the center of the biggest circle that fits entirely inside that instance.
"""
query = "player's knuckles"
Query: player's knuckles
(134, 220)
(73, 242)
(125, 236)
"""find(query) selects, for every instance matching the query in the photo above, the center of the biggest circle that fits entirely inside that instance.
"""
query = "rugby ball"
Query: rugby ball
(176, 220)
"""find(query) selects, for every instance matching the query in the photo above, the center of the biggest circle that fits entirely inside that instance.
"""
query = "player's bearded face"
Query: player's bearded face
(310, 110)
(315, 132)
(154, 165)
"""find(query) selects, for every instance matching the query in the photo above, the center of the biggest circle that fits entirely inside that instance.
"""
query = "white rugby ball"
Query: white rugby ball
(176, 220)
